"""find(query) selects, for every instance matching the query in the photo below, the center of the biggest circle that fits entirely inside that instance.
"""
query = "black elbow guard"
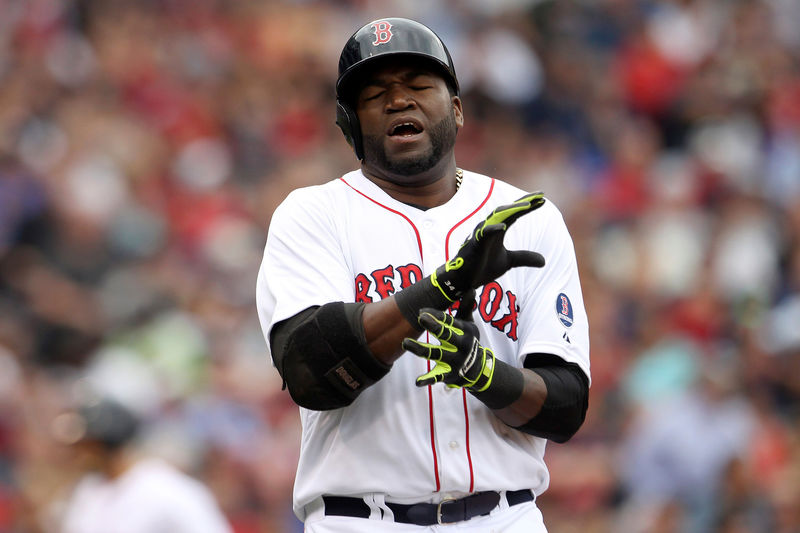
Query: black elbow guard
(564, 409)
(326, 363)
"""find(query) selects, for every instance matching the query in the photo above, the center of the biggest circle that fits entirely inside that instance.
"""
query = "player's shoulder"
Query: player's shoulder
(152, 473)
(315, 200)
(314, 194)
(503, 193)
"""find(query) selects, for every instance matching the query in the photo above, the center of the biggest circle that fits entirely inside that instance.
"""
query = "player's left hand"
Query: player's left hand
(460, 360)
(483, 257)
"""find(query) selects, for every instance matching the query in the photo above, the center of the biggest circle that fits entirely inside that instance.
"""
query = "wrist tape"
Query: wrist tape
(505, 387)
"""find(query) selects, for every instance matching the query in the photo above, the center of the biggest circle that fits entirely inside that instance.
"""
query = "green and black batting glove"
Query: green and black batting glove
(460, 360)
(483, 257)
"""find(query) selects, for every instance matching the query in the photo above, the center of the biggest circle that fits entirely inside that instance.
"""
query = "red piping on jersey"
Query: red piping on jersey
(466, 430)
(419, 241)
(463, 391)
(430, 394)
(432, 428)
(449, 233)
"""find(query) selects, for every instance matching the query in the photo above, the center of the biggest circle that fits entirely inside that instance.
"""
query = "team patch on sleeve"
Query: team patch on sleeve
(564, 310)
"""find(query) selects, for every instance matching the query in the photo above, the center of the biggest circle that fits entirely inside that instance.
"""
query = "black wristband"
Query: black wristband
(506, 387)
(421, 294)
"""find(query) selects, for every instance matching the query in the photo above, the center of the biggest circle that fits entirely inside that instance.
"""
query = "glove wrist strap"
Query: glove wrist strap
(484, 380)
(504, 385)
(424, 293)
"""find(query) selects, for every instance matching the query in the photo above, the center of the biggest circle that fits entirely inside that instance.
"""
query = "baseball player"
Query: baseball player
(123, 492)
(428, 321)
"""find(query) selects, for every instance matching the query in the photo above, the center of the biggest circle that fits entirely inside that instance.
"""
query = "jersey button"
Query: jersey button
(453, 444)
(427, 224)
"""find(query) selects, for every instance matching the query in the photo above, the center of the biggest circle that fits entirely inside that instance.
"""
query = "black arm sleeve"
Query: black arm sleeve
(564, 409)
(322, 356)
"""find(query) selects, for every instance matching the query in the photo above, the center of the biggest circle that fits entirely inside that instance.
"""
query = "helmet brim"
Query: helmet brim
(351, 81)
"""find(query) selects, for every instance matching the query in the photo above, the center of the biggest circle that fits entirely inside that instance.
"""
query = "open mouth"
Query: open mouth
(405, 129)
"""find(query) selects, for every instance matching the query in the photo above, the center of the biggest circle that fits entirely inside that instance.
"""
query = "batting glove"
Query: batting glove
(483, 257)
(460, 360)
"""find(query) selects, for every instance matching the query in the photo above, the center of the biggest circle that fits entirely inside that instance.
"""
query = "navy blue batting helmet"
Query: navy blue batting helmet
(378, 41)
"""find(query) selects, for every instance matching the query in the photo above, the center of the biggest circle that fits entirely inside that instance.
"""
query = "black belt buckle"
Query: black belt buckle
(439, 511)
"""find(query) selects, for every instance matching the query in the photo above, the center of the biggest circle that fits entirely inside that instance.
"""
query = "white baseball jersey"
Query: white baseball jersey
(348, 240)
(151, 497)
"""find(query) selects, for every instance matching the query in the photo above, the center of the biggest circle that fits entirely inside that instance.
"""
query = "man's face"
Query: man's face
(408, 118)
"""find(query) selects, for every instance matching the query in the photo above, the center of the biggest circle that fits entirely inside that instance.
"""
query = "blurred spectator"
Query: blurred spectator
(681, 446)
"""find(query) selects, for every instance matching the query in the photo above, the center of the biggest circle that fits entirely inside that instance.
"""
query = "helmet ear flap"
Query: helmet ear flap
(347, 120)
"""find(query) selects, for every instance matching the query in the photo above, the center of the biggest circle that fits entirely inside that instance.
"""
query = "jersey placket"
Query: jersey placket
(450, 440)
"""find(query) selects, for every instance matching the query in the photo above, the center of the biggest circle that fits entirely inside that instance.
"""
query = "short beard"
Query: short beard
(443, 139)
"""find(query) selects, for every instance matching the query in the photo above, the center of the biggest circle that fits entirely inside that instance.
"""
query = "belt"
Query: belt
(429, 514)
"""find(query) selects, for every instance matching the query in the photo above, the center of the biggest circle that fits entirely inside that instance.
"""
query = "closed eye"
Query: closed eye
(373, 96)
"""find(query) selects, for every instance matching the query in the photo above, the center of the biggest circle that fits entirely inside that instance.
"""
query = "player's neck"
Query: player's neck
(424, 191)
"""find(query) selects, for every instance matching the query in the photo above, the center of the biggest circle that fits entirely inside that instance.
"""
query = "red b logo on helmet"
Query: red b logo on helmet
(383, 32)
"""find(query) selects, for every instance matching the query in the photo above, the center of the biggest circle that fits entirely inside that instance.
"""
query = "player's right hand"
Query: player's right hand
(459, 359)
(483, 257)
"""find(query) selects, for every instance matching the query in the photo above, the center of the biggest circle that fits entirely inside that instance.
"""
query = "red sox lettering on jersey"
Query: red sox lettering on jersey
(496, 306)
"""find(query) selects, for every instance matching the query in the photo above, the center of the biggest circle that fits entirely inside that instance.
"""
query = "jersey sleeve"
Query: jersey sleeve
(304, 264)
(553, 317)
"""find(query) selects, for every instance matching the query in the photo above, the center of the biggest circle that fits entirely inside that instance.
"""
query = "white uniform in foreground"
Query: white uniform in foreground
(349, 241)
(151, 497)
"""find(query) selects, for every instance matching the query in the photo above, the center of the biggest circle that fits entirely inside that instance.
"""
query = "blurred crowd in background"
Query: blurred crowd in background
(144, 145)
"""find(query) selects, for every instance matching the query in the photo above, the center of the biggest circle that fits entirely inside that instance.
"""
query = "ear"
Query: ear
(347, 120)
(458, 112)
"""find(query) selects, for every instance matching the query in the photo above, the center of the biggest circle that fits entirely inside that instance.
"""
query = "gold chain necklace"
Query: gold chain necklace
(459, 178)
